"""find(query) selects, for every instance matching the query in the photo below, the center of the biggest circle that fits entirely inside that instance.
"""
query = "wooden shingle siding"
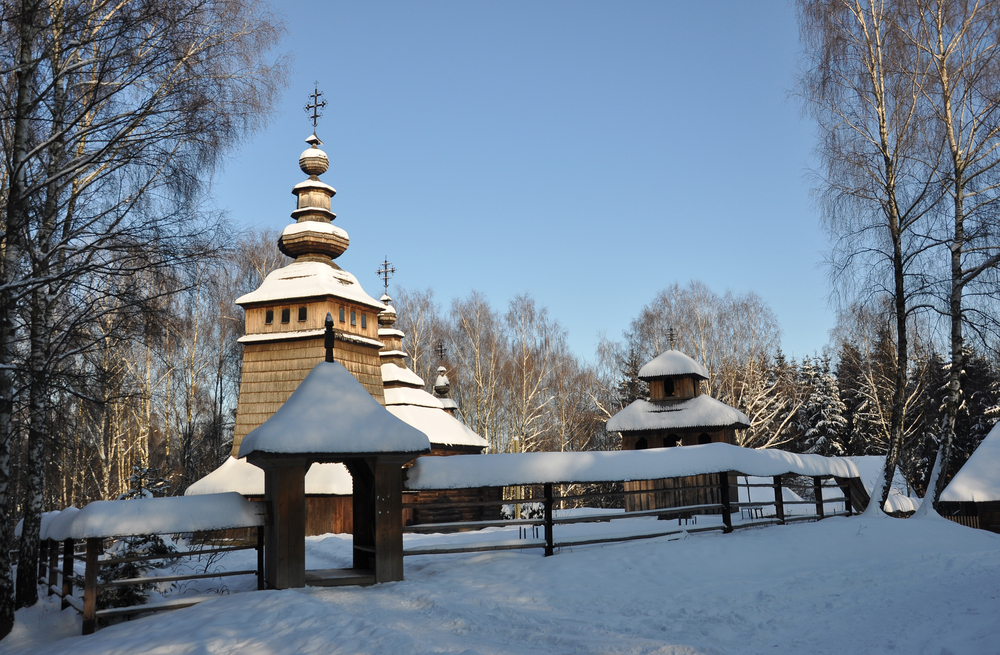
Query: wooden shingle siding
(273, 370)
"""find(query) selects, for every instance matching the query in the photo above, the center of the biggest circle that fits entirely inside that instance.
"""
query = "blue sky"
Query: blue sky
(588, 153)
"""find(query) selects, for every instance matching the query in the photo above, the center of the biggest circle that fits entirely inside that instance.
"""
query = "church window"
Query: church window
(286, 315)
(302, 313)
(269, 317)
(704, 437)
(341, 314)
(641, 444)
(668, 387)
(364, 321)
(353, 319)
(671, 440)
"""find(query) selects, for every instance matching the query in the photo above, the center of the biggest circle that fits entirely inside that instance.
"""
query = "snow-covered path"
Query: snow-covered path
(839, 586)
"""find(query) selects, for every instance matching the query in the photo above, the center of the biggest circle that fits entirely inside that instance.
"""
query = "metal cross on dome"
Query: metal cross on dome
(441, 350)
(316, 106)
(385, 272)
(672, 337)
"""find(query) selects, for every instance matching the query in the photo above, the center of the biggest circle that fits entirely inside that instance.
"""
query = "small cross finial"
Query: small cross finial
(441, 351)
(385, 272)
(315, 108)
(672, 337)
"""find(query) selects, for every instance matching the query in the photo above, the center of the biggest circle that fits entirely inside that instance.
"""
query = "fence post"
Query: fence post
(779, 500)
(548, 519)
(90, 585)
(53, 565)
(818, 491)
(67, 573)
(261, 584)
(727, 517)
(848, 503)
(43, 558)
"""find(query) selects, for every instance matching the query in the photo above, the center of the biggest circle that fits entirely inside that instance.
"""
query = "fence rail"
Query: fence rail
(56, 572)
(756, 512)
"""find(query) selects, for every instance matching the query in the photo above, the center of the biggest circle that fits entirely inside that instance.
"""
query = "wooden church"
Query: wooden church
(676, 414)
(284, 339)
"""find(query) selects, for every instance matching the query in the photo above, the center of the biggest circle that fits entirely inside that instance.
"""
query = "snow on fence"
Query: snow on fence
(102, 520)
(830, 480)
(622, 465)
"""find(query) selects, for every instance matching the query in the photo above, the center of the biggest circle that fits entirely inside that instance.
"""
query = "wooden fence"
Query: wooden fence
(776, 510)
(56, 570)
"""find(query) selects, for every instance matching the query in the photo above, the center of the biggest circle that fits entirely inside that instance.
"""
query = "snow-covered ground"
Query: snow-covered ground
(843, 585)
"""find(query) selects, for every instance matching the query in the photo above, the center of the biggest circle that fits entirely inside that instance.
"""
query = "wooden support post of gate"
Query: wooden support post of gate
(818, 491)
(727, 509)
(53, 566)
(549, 550)
(848, 502)
(779, 500)
(90, 585)
(67, 573)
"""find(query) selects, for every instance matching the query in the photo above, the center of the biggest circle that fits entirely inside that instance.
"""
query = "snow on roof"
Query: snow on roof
(411, 396)
(390, 332)
(313, 184)
(700, 411)
(463, 472)
(120, 518)
(307, 280)
(448, 403)
(393, 373)
(978, 481)
(331, 413)
(870, 466)
(441, 428)
(241, 476)
(314, 226)
(672, 362)
(308, 334)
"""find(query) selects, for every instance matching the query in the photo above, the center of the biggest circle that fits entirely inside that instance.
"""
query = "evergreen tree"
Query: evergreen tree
(630, 388)
(820, 420)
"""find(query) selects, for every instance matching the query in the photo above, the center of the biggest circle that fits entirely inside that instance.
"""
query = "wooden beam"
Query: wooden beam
(67, 573)
(53, 566)
(285, 540)
(779, 500)
(818, 491)
(727, 516)
(388, 521)
(90, 585)
(549, 550)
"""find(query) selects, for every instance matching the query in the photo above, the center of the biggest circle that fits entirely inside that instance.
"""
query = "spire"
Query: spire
(313, 237)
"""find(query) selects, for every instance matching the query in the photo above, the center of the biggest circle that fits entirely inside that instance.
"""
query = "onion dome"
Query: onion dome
(441, 385)
(387, 317)
(313, 236)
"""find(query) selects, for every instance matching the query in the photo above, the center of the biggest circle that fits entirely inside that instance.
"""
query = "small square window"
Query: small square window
(269, 317)
(302, 313)
(353, 320)
(286, 315)
(364, 321)
(341, 314)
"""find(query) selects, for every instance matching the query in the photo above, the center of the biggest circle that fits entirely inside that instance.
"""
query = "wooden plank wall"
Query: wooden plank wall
(673, 492)
(273, 370)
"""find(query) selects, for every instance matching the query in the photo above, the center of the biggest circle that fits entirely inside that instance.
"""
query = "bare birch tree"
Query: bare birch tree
(117, 109)
(864, 88)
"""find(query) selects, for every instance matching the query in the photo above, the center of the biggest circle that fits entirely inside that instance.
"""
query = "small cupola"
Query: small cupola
(673, 376)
